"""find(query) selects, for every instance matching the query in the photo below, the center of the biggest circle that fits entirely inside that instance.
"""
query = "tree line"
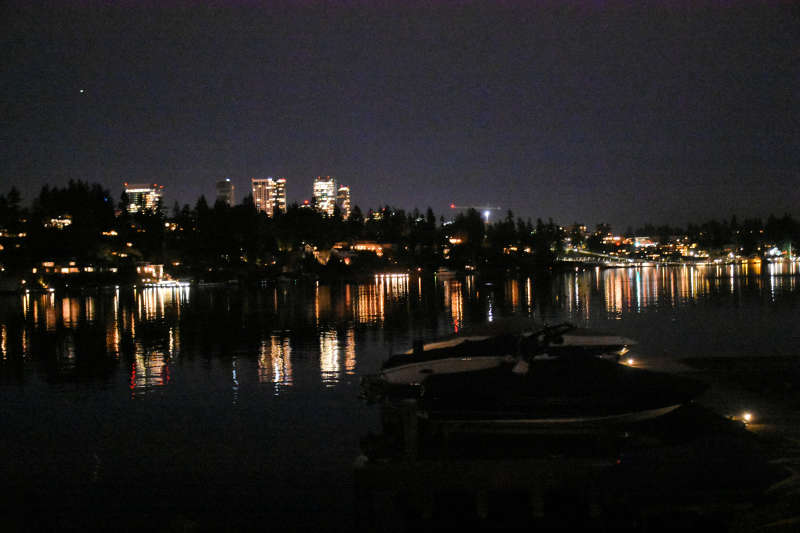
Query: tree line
(206, 238)
(750, 236)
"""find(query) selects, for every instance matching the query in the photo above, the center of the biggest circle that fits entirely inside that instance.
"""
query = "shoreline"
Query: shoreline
(105, 280)
(766, 387)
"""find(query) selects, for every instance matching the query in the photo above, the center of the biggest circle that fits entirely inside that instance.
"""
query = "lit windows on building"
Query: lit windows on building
(324, 194)
(269, 194)
(261, 194)
(279, 194)
(144, 197)
(343, 201)
(61, 222)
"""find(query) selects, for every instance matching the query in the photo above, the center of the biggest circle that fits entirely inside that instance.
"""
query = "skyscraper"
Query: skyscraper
(268, 194)
(143, 197)
(261, 189)
(225, 191)
(279, 195)
(324, 198)
(343, 201)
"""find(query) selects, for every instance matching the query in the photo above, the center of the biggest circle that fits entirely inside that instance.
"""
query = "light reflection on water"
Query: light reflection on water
(337, 355)
(329, 357)
(454, 301)
(262, 335)
(275, 363)
(159, 386)
(3, 341)
(148, 371)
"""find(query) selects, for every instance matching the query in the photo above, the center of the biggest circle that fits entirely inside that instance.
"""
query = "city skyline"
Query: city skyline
(611, 112)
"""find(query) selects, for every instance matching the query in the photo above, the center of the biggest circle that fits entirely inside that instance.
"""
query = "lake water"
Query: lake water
(231, 407)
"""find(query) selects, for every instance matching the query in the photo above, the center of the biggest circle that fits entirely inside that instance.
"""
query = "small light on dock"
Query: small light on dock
(629, 361)
(747, 417)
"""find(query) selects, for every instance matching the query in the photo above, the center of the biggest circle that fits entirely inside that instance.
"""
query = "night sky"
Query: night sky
(602, 111)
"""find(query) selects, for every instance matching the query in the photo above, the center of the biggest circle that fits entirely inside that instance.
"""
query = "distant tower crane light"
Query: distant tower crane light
(485, 209)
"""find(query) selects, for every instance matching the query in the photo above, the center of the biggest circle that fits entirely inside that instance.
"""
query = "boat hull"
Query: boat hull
(555, 393)
(547, 425)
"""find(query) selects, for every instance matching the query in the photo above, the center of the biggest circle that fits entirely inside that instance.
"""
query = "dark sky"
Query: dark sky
(623, 112)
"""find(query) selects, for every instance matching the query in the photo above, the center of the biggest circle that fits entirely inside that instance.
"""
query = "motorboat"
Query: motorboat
(488, 346)
(551, 393)
(445, 357)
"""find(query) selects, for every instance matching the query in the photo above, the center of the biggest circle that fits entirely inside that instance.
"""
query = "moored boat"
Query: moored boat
(548, 393)
(490, 346)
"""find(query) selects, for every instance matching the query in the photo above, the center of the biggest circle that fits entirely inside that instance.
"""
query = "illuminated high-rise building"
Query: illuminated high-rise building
(261, 189)
(279, 195)
(324, 199)
(225, 192)
(343, 201)
(144, 197)
(269, 194)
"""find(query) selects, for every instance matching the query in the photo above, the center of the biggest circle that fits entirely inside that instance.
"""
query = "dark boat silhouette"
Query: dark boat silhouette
(490, 345)
(555, 392)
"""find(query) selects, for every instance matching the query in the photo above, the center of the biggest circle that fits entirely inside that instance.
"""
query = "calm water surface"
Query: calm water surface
(169, 407)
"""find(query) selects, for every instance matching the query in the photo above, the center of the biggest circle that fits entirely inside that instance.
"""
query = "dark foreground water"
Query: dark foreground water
(227, 408)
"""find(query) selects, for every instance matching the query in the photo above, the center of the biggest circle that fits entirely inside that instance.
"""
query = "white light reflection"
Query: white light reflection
(576, 291)
(638, 284)
(529, 294)
(332, 367)
(370, 303)
(26, 305)
(329, 357)
(469, 280)
(152, 302)
(771, 272)
(235, 379)
(113, 332)
(731, 277)
(25, 343)
(3, 341)
(148, 372)
(350, 352)
(394, 285)
(615, 291)
(275, 363)
(88, 309)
